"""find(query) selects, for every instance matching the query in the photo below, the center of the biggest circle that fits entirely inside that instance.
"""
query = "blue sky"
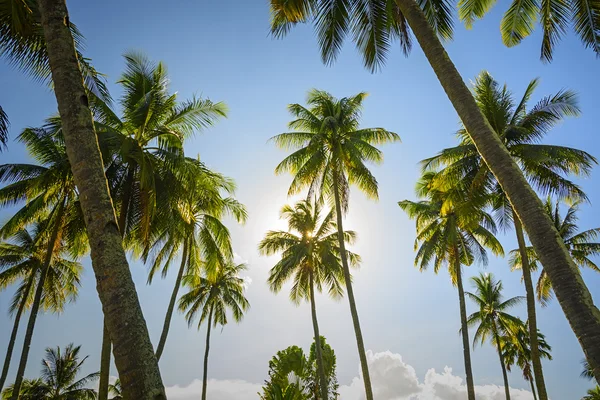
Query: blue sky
(222, 50)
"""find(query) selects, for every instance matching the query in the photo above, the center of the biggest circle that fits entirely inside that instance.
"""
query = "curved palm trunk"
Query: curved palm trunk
(571, 292)
(504, 374)
(13, 334)
(357, 331)
(106, 342)
(37, 299)
(531, 313)
(134, 355)
(165, 330)
(205, 373)
(318, 348)
(533, 389)
(464, 330)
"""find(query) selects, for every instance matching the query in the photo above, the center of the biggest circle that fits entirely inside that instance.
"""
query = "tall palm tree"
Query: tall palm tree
(58, 378)
(521, 129)
(39, 38)
(310, 255)
(21, 262)
(208, 300)
(516, 350)
(451, 231)
(492, 319)
(145, 148)
(330, 151)
(52, 199)
(193, 224)
(581, 245)
(374, 25)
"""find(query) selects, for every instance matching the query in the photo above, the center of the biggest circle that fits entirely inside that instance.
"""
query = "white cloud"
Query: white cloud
(391, 377)
(237, 259)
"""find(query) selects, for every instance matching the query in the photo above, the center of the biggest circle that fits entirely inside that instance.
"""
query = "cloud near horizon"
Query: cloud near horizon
(392, 379)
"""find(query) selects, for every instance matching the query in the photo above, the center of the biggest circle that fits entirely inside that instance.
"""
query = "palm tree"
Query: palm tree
(145, 147)
(39, 38)
(310, 255)
(4, 124)
(555, 18)
(193, 225)
(454, 232)
(59, 378)
(580, 245)
(330, 155)
(52, 201)
(592, 394)
(208, 300)
(21, 261)
(492, 319)
(374, 25)
(115, 390)
(520, 129)
(516, 350)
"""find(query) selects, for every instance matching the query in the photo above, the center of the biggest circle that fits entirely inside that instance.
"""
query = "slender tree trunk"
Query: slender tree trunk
(134, 355)
(504, 374)
(37, 299)
(165, 330)
(533, 389)
(13, 335)
(531, 313)
(205, 373)
(318, 348)
(106, 342)
(357, 331)
(464, 330)
(571, 292)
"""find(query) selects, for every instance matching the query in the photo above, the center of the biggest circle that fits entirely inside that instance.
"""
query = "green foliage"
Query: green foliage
(4, 125)
(592, 394)
(291, 370)
(516, 349)
(58, 379)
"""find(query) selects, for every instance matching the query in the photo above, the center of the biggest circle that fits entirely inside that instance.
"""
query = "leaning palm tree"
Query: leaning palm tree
(59, 378)
(208, 299)
(21, 262)
(38, 37)
(52, 200)
(145, 149)
(492, 319)
(330, 151)
(516, 350)
(310, 255)
(374, 25)
(193, 225)
(452, 231)
(521, 129)
(581, 245)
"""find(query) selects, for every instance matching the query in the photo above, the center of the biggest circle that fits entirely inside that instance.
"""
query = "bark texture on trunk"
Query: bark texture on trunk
(357, 331)
(504, 374)
(37, 299)
(533, 389)
(536, 362)
(13, 334)
(571, 292)
(464, 330)
(134, 355)
(318, 348)
(205, 372)
(167, 324)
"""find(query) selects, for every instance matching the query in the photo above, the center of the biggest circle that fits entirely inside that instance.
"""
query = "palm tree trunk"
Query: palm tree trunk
(134, 355)
(571, 292)
(37, 299)
(165, 331)
(106, 342)
(357, 331)
(13, 335)
(318, 348)
(533, 389)
(205, 373)
(504, 374)
(464, 330)
(531, 313)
